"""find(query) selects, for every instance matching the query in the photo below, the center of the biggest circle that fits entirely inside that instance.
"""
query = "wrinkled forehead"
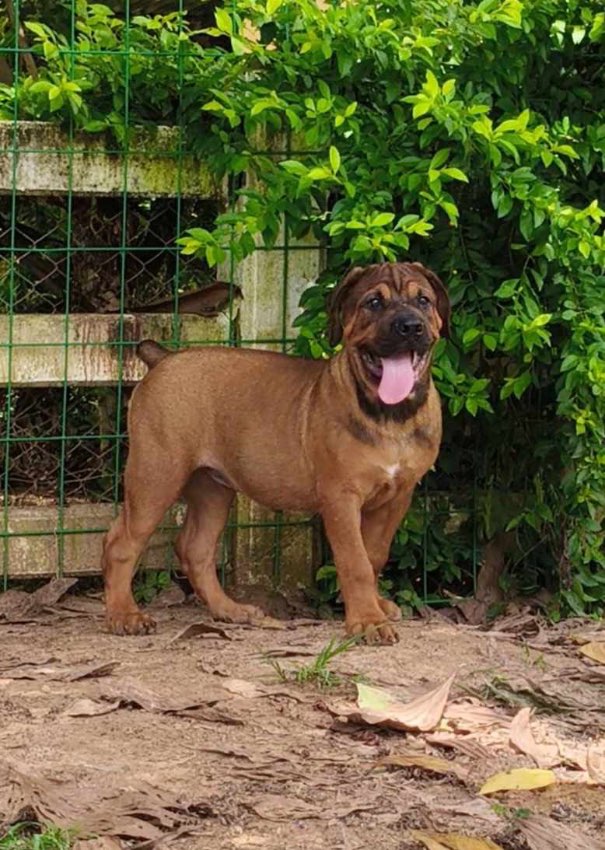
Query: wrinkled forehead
(401, 279)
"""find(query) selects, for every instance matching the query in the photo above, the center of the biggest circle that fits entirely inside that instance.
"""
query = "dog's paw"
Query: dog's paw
(235, 612)
(390, 610)
(130, 623)
(373, 629)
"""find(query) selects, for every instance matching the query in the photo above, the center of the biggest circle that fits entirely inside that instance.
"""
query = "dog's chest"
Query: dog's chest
(393, 472)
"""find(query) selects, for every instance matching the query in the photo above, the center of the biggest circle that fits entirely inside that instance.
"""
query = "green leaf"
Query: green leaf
(224, 21)
(421, 108)
(334, 159)
(273, 6)
(450, 209)
(449, 87)
(455, 174)
(382, 219)
(432, 85)
(470, 336)
(320, 172)
(521, 383)
(440, 158)
(472, 405)
(293, 166)
(37, 29)
(541, 320)
(507, 289)
(505, 205)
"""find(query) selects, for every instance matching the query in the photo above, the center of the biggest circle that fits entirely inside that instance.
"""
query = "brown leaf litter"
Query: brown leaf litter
(201, 629)
(278, 807)
(18, 606)
(52, 670)
(210, 706)
(545, 833)
(431, 764)
(136, 814)
(128, 693)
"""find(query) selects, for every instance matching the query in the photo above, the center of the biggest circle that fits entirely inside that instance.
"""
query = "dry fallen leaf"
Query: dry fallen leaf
(522, 739)
(289, 652)
(61, 672)
(424, 762)
(473, 716)
(452, 841)
(278, 807)
(271, 623)
(595, 650)
(242, 688)
(132, 692)
(91, 707)
(544, 833)
(253, 690)
(595, 762)
(461, 743)
(479, 808)
(18, 606)
(197, 629)
(519, 779)
(381, 708)
(53, 591)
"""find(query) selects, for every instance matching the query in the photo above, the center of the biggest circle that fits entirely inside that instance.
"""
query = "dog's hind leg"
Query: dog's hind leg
(150, 488)
(208, 503)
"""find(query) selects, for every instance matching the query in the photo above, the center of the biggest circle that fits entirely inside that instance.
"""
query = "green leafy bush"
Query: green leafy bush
(470, 136)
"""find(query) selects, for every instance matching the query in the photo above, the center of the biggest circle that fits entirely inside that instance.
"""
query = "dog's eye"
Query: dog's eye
(424, 301)
(374, 303)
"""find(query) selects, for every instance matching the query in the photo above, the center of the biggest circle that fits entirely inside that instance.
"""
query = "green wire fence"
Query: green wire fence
(89, 265)
(89, 232)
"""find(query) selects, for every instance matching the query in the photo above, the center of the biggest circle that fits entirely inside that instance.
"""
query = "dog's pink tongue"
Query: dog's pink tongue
(397, 379)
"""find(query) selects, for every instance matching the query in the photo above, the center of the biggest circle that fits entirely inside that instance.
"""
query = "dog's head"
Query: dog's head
(389, 316)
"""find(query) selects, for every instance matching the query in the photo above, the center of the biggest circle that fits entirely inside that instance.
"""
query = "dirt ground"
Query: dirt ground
(202, 744)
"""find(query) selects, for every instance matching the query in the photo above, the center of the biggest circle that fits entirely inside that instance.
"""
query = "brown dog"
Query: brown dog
(348, 438)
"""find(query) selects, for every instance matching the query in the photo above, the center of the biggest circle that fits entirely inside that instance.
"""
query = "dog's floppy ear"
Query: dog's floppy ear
(443, 299)
(336, 303)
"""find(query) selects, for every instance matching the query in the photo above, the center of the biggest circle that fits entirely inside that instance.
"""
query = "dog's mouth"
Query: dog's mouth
(396, 375)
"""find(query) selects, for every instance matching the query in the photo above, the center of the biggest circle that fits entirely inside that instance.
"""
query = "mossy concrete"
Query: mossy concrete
(41, 159)
(35, 541)
(95, 355)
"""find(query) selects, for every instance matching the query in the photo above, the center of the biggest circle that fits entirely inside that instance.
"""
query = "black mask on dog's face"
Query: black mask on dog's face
(390, 316)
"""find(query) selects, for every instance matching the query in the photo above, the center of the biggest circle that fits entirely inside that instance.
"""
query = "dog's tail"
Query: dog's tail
(151, 352)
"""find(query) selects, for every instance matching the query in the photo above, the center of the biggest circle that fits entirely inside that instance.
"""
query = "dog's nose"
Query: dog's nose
(408, 327)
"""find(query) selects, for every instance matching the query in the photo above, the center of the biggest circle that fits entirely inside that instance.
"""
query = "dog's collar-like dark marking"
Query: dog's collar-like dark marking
(422, 435)
(360, 431)
(409, 407)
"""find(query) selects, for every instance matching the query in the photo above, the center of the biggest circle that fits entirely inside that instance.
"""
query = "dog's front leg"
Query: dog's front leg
(341, 513)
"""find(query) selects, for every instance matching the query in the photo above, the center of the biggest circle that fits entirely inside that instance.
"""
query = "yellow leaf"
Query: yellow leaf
(426, 839)
(453, 841)
(594, 650)
(520, 779)
(432, 763)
